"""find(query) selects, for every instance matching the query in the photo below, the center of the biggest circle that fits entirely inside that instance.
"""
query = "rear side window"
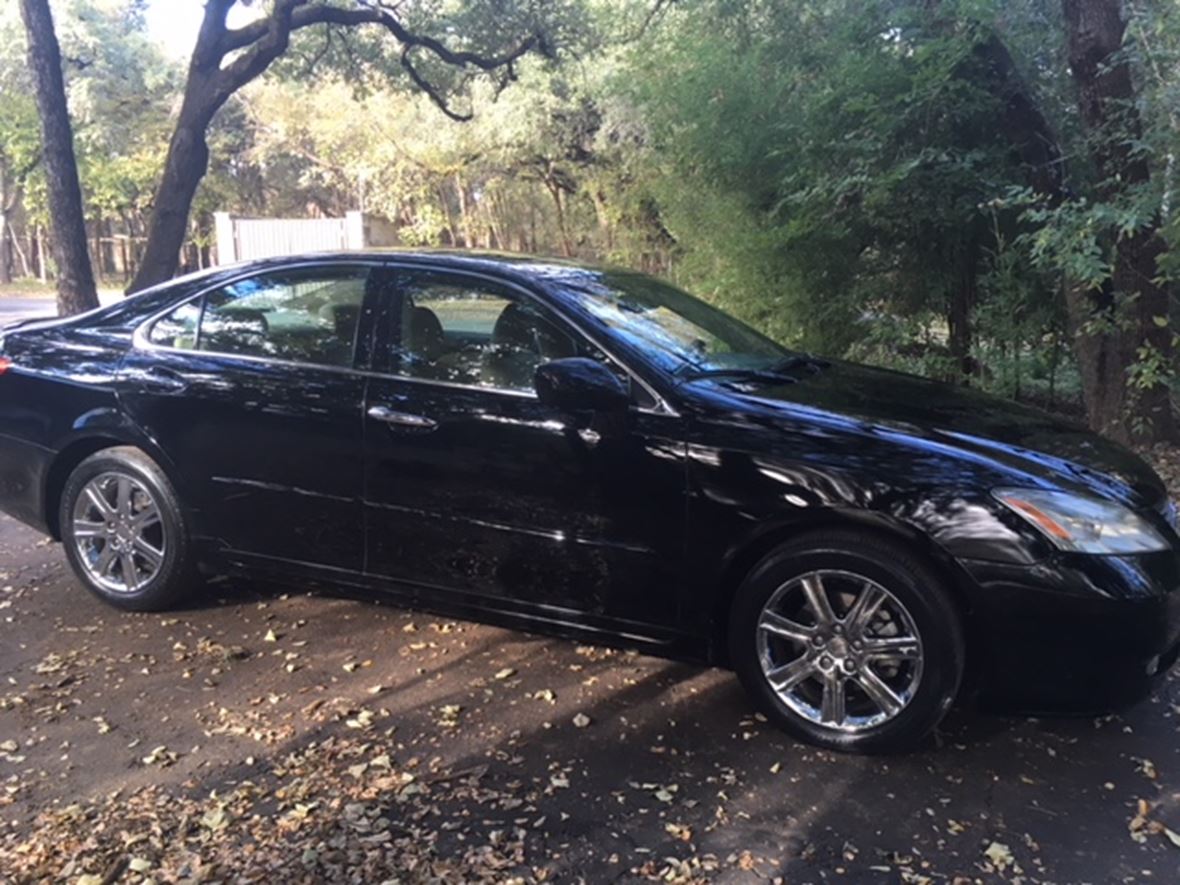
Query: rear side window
(308, 315)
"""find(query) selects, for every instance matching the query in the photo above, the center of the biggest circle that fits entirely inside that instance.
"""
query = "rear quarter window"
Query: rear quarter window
(306, 315)
(178, 328)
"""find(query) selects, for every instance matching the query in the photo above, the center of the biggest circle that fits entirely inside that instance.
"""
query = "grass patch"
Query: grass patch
(27, 288)
(30, 287)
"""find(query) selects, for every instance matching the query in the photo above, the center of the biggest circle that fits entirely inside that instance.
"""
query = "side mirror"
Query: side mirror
(580, 384)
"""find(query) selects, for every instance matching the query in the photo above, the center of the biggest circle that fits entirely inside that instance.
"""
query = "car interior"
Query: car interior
(473, 339)
(312, 322)
(447, 332)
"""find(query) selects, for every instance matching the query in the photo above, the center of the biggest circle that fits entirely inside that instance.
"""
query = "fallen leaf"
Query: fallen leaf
(215, 819)
(1000, 856)
(363, 719)
(161, 756)
(1147, 769)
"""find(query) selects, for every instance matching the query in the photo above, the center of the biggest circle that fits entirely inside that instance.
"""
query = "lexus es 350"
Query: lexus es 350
(595, 454)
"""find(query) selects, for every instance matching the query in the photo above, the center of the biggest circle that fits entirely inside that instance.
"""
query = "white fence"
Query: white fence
(243, 239)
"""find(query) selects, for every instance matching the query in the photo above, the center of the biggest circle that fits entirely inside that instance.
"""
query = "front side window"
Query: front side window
(305, 315)
(476, 334)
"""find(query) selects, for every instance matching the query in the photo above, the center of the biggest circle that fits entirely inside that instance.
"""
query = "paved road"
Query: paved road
(13, 308)
(668, 775)
(21, 307)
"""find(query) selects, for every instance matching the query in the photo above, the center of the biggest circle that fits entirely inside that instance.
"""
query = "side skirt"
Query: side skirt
(528, 617)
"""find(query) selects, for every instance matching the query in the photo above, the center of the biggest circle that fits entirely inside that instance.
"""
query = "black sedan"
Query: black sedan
(596, 454)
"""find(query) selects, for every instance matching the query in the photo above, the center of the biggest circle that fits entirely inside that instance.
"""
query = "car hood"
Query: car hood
(1013, 436)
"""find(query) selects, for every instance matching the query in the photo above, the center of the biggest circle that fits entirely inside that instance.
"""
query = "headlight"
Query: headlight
(1083, 524)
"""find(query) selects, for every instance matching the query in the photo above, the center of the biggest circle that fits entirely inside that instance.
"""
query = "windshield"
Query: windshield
(678, 332)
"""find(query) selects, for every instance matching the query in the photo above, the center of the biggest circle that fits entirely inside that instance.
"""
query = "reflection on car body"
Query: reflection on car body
(596, 454)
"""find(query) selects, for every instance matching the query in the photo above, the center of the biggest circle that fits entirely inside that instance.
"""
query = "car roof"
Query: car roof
(560, 278)
(557, 276)
(511, 263)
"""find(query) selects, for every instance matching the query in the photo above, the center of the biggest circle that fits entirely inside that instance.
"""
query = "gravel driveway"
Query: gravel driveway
(267, 734)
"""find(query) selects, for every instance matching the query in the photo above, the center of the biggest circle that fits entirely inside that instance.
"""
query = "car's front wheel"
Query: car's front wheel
(848, 641)
(124, 531)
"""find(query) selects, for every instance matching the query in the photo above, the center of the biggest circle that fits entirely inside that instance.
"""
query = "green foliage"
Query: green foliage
(860, 149)
(20, 140)
(371, 61)
(120, 90)
(839, 173)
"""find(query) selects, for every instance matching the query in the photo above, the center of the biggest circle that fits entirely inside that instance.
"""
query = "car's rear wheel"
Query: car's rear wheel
(848, 641)
(124, 530)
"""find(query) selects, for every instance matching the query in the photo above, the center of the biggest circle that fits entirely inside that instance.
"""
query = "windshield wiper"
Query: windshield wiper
(776, 373)
(799, 361)
(768, 376)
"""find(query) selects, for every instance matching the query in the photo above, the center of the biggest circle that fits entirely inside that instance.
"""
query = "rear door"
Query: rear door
(476, 490)
(252, 391)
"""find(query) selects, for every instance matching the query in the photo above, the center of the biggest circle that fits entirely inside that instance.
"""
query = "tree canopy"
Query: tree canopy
(978, 190)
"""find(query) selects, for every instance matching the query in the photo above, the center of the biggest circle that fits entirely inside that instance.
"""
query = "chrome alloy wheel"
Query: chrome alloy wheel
(839, 650)
(118, 532)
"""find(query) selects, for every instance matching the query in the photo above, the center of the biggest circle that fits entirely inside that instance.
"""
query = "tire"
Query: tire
(911, 642)
(119, 551)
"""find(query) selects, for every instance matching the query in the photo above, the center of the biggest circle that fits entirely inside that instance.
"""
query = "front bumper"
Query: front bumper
(1078, 634)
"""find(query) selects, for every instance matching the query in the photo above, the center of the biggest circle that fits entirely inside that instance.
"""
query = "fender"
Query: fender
(744, 552)
(96, 429)
(760, 538)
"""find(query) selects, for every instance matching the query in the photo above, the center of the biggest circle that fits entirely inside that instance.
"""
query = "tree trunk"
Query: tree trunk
(75, 278)
(602, 214)
(5, 248)
(42, 270)
(964, 285)
(452, 230)
(567, 247)
(108, 248)
(1130, 314)
(96, 254)
(14, 240)
(960, 335)
(496, 217)
(464, 214)
(184, 167)
(532, 248)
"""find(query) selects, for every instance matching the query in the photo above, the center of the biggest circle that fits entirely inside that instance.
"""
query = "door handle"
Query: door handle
(164, 380)
(386, 415)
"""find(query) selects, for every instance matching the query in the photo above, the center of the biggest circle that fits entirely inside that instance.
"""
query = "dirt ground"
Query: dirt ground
(266, 734)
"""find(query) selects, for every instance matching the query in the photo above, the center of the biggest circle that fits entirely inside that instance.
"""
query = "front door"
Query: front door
(251, 389)
(476, 490)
